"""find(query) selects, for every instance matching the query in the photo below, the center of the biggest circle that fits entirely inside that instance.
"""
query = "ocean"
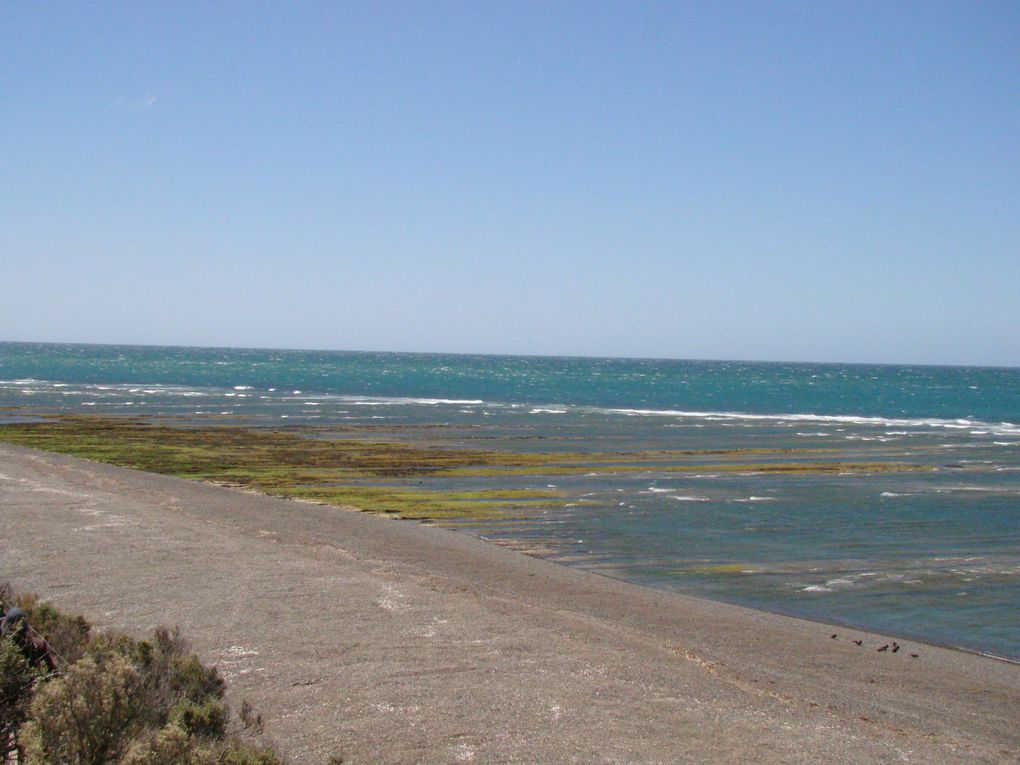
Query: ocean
(931, 554)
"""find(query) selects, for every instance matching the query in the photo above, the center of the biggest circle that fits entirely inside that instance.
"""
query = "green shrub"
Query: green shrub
(87, 716)
(242, 754)
(173, 746)
(190, 679)
(208, 720)
(170, 746)
(17, 679)
(117, 700)
(67, 635)
(169, 673)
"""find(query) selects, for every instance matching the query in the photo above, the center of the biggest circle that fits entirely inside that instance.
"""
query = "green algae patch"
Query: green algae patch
(408, 504)
(723, 568)
(286, 464)
(350, 467)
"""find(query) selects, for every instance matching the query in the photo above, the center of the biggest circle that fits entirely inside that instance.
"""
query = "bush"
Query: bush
(208, 720)
(67, 635)
(242, 754)
(170, 746)
(17, 679)
(87, 716)
(116, 700)
(169, 673)
(173, 746)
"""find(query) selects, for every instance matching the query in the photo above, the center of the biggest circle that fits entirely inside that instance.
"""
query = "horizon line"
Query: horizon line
(515, 355)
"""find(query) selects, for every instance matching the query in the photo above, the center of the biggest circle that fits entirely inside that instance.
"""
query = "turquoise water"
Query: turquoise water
(933, 555)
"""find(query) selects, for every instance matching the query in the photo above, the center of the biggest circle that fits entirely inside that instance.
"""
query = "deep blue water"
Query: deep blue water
(933, 555)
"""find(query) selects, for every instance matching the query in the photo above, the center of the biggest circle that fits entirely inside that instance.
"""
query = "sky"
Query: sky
(796, 181)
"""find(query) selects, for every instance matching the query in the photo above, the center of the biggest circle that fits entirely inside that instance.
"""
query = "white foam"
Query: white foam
(957, 424)
(543, 410)
(450, 401)
(839, 583)
(682, 498)
(390, 401)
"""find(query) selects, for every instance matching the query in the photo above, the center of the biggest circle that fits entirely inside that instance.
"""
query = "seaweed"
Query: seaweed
(317, 464)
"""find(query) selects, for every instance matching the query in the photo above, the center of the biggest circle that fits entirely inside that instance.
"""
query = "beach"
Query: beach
(385, 641)
(883, 497)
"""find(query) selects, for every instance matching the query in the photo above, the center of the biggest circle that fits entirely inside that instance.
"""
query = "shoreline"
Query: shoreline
(511, 543)
(423, 644)
(374, 472)
(793, 615)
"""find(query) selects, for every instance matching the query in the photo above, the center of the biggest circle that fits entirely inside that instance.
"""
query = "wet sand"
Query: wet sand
(397, 642)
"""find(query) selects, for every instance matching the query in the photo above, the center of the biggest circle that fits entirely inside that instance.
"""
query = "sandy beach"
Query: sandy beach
(396, 642)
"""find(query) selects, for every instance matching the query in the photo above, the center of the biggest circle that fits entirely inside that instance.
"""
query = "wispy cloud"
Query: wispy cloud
(135, 104)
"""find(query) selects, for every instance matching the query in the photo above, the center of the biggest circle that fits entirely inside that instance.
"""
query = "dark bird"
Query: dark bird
(895, 648)
(913, 655)
(884, 648)
(835, 636)
(858, 642)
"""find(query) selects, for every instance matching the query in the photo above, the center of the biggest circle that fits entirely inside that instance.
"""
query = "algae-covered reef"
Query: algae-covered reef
(387, 476)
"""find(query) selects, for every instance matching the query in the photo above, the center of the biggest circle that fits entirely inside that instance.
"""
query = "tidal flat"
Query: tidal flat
(416, 478)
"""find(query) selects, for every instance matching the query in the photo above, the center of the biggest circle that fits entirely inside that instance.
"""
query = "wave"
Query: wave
(395, 401)
(892, 426)
(1002, 428)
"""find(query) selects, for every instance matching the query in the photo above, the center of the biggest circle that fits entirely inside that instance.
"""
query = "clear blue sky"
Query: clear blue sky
(816, 181)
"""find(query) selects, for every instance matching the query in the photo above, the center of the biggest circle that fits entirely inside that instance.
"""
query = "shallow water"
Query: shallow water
(932, 554)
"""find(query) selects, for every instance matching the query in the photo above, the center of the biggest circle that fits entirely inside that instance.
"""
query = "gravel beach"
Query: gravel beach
(397, 642)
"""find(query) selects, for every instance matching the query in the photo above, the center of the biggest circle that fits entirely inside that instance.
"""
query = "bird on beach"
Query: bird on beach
(914, 655)
(835, 636)
(858, 642)
(884, 648)
(895, 647)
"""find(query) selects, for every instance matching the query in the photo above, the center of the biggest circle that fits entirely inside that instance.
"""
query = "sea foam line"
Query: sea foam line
(1002, 428)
